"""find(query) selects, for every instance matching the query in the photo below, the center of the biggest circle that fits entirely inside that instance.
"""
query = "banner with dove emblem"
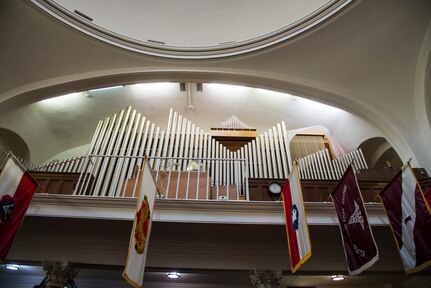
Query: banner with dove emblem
(296, 221)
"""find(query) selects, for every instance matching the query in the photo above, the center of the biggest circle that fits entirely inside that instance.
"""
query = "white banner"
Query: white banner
(140, 235)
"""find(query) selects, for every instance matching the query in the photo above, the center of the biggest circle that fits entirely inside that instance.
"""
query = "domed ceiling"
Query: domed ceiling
(192, 28)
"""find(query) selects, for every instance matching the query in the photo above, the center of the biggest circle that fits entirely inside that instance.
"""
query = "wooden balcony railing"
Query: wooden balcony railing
(371, 182)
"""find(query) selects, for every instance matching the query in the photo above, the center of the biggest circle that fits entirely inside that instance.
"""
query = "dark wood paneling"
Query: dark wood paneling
(258, 188)
(319, 190)
(370, 184)
(57, 182)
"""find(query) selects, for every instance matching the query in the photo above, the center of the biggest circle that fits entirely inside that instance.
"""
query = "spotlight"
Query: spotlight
(173, 275)
(337, 277)
(13, 267)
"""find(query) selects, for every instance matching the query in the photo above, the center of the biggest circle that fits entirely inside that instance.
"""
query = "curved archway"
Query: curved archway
(427, 89)
(378, 153)
(11, 141)
(301, 87)
(53, 87)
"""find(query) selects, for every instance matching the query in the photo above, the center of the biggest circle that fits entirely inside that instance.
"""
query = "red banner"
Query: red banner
(17, 188)
(296, 222)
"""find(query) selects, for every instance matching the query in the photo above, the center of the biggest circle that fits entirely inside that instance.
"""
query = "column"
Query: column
(58, 273)
(265, 279)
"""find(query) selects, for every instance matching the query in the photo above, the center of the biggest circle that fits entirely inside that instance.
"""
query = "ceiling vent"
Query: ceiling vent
(156, 42)
(83, 15)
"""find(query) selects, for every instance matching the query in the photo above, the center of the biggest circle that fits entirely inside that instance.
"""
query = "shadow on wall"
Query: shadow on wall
(10, 141)
(380, 154)
(428, 89)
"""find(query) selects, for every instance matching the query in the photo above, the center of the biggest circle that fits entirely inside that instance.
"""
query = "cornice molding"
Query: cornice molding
(187, 211)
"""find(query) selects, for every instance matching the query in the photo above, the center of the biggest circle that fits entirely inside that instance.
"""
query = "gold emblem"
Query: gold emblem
(142, 225)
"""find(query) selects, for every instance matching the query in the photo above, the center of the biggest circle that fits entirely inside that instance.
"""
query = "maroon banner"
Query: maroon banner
(359, 245)
(410, 219)
(428, 196)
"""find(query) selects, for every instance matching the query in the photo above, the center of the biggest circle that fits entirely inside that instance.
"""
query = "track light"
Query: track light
(105, 88)
(337, 277)
(13, 267)
(173, 275)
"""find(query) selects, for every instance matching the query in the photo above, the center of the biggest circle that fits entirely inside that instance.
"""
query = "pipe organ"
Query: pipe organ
(71, 165)
(320, 165)
(121, 141)
(303, 145)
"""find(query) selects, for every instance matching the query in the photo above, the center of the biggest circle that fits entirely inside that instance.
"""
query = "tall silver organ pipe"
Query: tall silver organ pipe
(320, 165)
(128, 136)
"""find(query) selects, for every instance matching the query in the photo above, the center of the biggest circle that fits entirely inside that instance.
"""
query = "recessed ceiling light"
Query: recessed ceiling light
(13, 267)
(173, 275)
(337, 277)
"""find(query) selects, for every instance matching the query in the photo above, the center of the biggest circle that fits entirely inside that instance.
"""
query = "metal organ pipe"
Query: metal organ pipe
(135, 149)
(122, 163)
(131, 136)
(108, 142)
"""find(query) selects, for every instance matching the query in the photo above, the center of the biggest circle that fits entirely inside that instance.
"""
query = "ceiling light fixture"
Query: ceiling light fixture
(106, 88)
(173, 275)
(337, 277)
(13, 267)
(59, 99)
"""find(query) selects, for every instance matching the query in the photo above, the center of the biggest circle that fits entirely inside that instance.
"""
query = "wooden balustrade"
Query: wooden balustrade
(371, 182)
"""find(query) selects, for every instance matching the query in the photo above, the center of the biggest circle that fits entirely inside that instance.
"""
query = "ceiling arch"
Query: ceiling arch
(11, 141)
(82, 82)
(352, 61)
(422, 94)
(378, 153)
(54, 87)
(427, 89)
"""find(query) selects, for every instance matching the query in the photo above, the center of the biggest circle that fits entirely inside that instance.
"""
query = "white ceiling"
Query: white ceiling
(192, 28)
(194, 23)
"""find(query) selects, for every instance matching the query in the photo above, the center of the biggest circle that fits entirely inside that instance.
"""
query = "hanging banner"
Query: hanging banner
(358, 241)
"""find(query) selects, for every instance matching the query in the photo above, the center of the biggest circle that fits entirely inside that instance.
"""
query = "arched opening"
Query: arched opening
(379, 153)
(11, 141)
(427, 90)
(69, 121)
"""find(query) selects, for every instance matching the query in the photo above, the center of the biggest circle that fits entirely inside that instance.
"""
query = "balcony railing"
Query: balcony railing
(206, 179)
(176, 178)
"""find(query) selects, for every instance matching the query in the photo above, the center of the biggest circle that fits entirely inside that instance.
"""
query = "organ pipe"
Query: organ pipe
(130, 135)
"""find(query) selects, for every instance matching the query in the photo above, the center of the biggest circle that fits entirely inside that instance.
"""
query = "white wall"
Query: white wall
(66, 124)
(73, 152)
